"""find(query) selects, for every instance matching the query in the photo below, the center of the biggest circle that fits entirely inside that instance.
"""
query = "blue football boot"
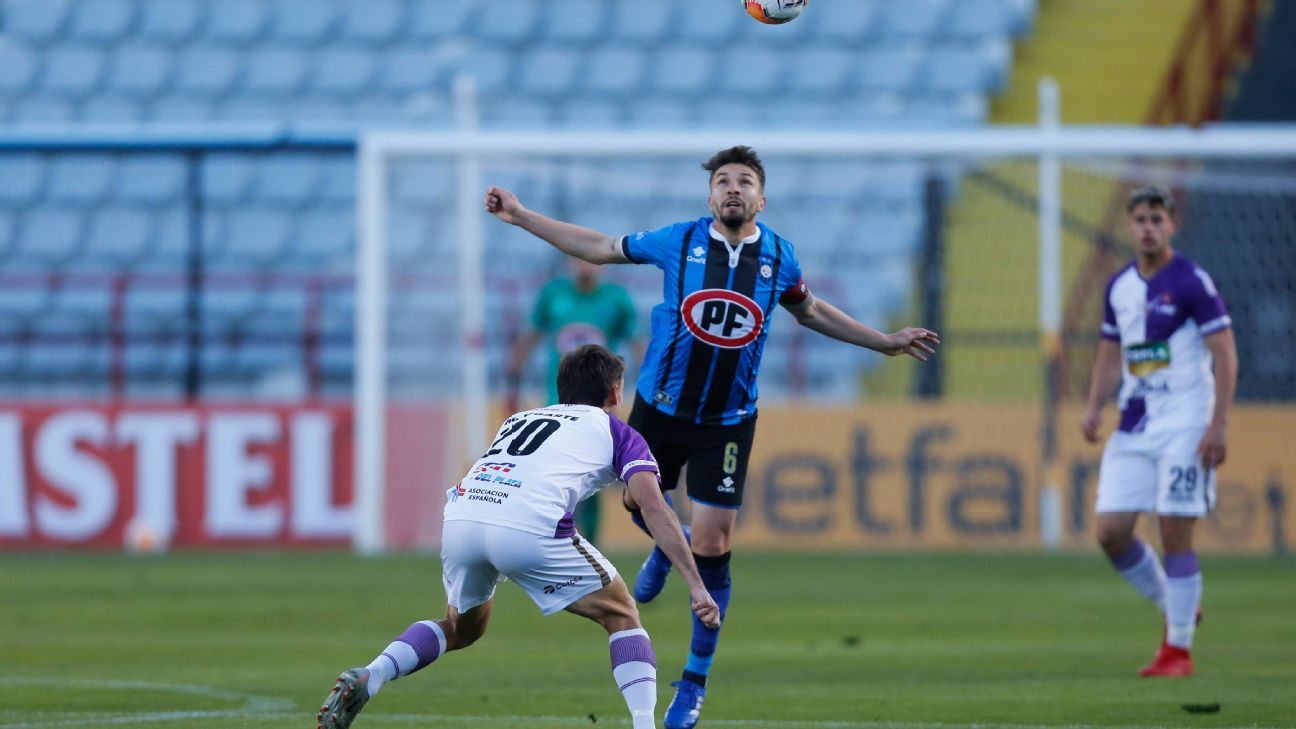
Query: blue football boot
(686, 707)
(652, 575)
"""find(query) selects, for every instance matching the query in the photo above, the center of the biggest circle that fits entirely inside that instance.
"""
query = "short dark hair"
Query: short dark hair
(1154, 196)
(588, 374)
(742, 155)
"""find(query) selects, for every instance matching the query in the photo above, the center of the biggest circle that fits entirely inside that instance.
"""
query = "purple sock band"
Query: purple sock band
(1130, 557)
(633, 648)
(424, 642)
(1183, 564)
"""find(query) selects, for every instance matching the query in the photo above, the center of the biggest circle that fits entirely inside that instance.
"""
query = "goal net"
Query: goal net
(1000, 239)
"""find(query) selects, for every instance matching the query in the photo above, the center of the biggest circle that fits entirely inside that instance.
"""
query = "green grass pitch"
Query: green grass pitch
(812, 642)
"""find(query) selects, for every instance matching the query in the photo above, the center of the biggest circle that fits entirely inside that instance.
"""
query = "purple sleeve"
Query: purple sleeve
(630, 453)
(1110, 330)
(1205, 304)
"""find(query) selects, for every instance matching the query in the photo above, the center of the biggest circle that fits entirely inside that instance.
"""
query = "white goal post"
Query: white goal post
(466, 148)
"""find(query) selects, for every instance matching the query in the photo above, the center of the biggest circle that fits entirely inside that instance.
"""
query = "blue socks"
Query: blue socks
(715, 575)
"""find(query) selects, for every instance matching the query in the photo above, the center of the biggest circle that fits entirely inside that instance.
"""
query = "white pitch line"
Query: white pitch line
(259, 707)
(569, 721)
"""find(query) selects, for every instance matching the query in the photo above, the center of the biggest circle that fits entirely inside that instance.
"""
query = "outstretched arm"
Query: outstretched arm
(666, 531)
(1102, 383)
(821, 316)
(574, 240)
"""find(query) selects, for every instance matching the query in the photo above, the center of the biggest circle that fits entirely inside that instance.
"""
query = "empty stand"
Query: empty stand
(130, 217)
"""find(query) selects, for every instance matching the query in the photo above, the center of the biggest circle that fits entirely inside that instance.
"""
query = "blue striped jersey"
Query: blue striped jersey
(709, 331)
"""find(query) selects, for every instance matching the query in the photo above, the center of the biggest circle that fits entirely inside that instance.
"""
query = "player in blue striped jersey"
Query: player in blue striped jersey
(695, 401)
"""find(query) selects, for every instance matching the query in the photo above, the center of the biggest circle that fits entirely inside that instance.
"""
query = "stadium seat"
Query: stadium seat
(956, 68)
(646, 28)
(681, 71)
(409, 70)
(43, 109)
(39, 22)
(275, 71)
(325, 237)
(549, 72)
(373, 22)
(71, 70)
(90, 300)
(101, 21)
(843, 23)
(995, 18)
(156, 301)
(762, 65)
(614, 70)
(491, 69)
(139, 70)
(206, 72)
(227, 178)
(437, 22)
(256, 235)
(288, 180)
(170, 21)
(241, 107)
(818, 71)
(170, 247)
(154, 179)
(945, 110)
(589, 112)
(81, 179)
(580, 23)
(709, 23)
(338, 179)
(303, 22)
(914, 19)
(341, 73)
(508, 22)
(51, 234)
(118, 236)
(24, 174)
(237, 22)
(17, 68)
(112, 109)
(889, 67)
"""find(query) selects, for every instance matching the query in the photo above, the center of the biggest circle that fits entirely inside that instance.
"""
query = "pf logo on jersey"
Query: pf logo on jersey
(722, 318)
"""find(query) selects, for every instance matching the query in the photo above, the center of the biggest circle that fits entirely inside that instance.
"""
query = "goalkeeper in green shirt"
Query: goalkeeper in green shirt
(571, 311)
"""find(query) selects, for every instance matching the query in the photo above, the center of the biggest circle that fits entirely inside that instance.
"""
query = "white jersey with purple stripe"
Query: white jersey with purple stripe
(1161, 324)
(542, 463)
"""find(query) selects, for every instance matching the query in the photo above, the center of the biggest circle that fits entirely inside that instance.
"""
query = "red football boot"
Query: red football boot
(1169, 661)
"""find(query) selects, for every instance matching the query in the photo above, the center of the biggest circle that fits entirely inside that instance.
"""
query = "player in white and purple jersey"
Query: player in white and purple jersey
(1164, 326)
(511, 517)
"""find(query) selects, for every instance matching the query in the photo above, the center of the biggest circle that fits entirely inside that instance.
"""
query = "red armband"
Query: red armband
(796, 294)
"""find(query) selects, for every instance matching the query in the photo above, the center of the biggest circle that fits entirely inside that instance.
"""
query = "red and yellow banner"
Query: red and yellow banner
(919, 476)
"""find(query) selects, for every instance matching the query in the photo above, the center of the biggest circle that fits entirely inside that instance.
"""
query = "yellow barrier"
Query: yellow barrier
(968, 477)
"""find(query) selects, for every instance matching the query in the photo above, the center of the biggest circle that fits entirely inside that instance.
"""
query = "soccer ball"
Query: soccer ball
(775, 12)
(141, 537)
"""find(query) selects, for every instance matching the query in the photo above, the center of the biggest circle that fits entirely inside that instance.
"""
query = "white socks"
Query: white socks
(634, 666)
(1183, 596)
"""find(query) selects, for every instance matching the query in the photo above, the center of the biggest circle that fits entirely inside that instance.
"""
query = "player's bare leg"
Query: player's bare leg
(422, 643)
(713, 529)
(634, 664)
(1131, 556)
(1183, 598)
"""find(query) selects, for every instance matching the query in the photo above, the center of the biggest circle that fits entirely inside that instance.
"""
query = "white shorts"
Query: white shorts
(1158, 472)
(554, 572)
